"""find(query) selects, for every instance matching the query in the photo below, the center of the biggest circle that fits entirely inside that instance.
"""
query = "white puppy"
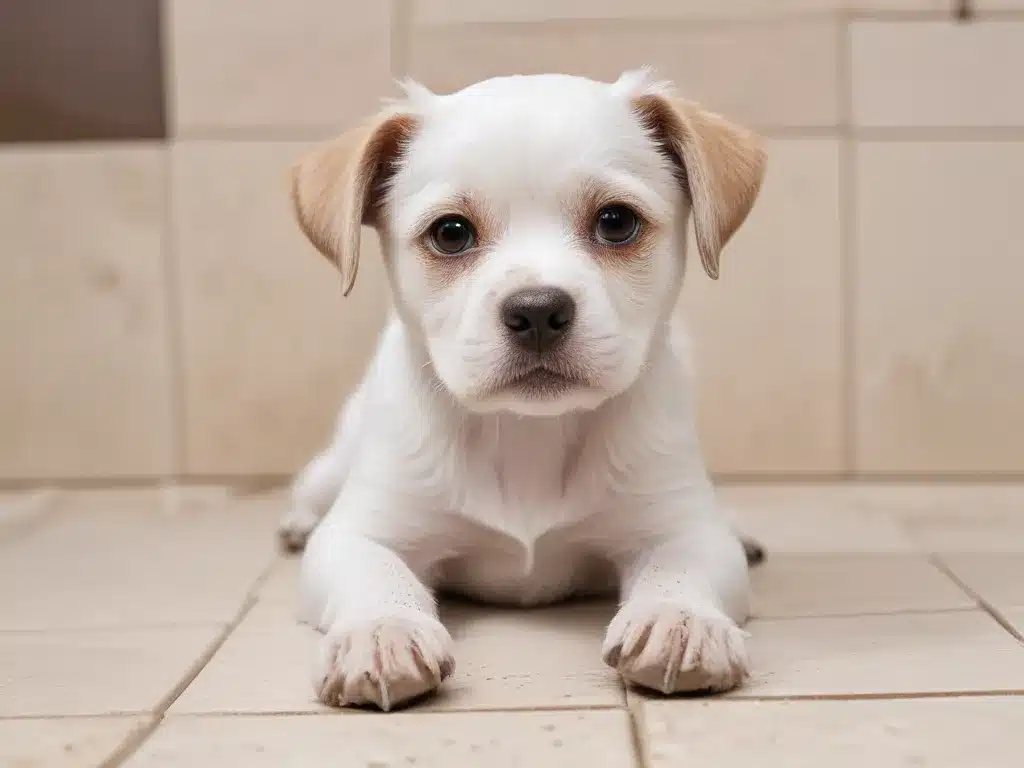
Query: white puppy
(526, 431)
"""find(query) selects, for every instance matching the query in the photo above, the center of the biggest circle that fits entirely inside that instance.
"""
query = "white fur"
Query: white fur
(434, 482)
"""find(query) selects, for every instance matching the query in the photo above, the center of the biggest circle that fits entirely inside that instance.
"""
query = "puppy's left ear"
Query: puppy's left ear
(723, 166)
(341, 186)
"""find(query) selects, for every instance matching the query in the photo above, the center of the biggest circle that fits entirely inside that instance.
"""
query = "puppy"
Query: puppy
(526, 430)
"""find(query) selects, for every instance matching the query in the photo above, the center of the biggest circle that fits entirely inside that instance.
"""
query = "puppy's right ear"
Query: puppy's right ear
(341, 186)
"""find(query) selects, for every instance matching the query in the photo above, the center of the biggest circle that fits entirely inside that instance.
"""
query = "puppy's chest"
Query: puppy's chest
(519, 478)
(522, 492)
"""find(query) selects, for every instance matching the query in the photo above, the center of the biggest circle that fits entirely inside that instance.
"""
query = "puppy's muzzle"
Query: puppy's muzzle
(537, 318)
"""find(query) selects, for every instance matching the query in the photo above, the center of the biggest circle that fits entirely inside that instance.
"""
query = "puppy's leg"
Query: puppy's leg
(383, 644)
(319, 484)
(682, 603)
(313, 492)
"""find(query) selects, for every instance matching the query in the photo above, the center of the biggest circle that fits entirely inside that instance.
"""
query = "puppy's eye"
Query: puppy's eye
(616, 225)
(452, 235)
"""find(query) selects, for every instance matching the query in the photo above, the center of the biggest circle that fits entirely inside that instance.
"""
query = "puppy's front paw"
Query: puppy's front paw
(667, 648)
(384, 662)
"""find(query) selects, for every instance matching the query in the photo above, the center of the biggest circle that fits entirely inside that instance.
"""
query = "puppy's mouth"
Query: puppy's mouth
(539, 380)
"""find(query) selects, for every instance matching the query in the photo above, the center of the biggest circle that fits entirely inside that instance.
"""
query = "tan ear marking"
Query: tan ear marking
(339, 187)
(724, 166)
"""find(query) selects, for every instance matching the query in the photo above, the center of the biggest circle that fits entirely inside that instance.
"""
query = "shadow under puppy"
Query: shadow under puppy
(526, 430)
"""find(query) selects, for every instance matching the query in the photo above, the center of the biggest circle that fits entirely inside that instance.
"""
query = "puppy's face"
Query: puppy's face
(534, 228)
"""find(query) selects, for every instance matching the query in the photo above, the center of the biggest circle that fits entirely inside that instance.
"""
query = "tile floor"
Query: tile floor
(154, 628)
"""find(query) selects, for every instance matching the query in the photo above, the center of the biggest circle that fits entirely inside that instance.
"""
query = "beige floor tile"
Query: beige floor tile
(282, 585)
(965, 518)
(86, 389)
(95, 672)
(63, 743)
(789, 585)
(751, 62)
(933, 73)
(455, 11)
(241, 65)
(998, 577)
(817, 519)
(988, 533)
(21, 510)
(271, 348)
(600, 739)
(787, 418)
(510, 659)
(504, 660)
(939, 375)
(137, 557)
(264, 666)
(883, 655)
(940, 733)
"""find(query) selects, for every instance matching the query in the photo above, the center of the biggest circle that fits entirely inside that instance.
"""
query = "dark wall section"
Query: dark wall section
(80, 69)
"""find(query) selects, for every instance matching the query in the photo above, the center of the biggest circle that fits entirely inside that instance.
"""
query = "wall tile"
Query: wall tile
(937, 73)
(773, 74)
(86, 385)
(270, 346)
(997, 5)
(939, 310)
(459, 11)
(260, 65)
(767, 334)
(61, 79)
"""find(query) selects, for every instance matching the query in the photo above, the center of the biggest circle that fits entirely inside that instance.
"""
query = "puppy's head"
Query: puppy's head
(534, 227)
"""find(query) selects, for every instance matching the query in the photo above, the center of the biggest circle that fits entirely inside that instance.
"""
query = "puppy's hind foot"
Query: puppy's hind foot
(295, 527)
(754, 550)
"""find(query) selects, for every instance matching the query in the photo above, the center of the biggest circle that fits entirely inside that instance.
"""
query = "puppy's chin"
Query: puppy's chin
(553, 404)
(537, 392)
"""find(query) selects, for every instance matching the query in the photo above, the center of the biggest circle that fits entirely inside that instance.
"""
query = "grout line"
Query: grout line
(719, 700)
(939, 133)
(116, 715)
(635, 713)
(685, 23)
(259, 483)
(893, 695)
(174, 317)
(173, 314)
(278, 133)
(132, 744)
(87, 629)
(867, 478)
(410, 710)
(242, 484)
(241, 134)
(837, 697)
(984, 604)
(847, 251)
(639, 699)
(863, 614)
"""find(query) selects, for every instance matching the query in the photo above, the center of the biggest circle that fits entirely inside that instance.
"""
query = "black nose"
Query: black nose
(538, 317)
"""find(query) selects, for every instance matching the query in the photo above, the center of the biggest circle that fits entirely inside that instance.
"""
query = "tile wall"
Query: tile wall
(161, 316)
